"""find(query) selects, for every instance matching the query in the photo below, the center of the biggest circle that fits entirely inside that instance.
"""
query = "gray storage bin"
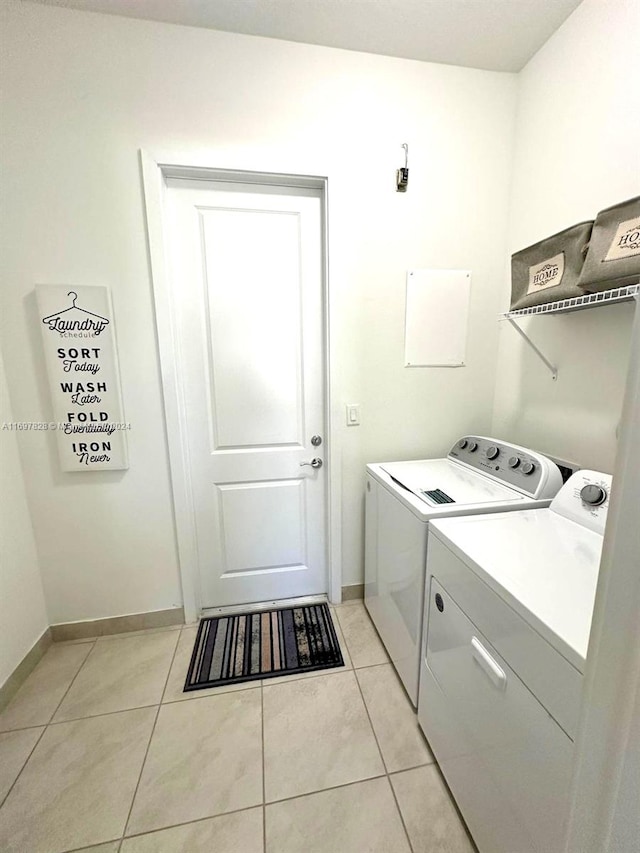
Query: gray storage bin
(549, 270)
(613, 259)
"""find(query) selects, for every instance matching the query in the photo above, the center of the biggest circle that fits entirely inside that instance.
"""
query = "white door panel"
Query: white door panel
(247, 273)
(261, 353)
(277, 507)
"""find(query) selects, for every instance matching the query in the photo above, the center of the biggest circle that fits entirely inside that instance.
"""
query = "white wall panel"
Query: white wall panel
(23, 616)
(576, 152)
(83, 92)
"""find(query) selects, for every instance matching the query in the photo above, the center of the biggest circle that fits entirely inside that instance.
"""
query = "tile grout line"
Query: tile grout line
(135, 790)
(373, 731)
(377, 635)
(395, 799)
(131, 635)
(330, 788)
(194, 694)
(374, 665)
(384, 763)
(103, 714)
(26, 761)
(92, 847)
(66, 692)
(146, 753)
(23, 728)
(160, 829)
(233, 812)
(45, 727)
(413, 767)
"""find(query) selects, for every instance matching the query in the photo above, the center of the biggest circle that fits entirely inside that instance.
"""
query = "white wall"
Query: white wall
(23, 616)
(576, 152)
(604, 815)
(83, 93)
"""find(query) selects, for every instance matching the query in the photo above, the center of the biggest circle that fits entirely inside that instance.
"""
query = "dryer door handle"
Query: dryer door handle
(484, 659)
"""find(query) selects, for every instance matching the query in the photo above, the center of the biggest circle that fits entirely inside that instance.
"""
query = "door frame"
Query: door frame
(154, 173)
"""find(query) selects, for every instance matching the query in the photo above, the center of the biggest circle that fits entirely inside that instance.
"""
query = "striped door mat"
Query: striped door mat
(231, 649)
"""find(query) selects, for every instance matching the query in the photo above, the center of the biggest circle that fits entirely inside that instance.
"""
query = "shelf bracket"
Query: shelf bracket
(552, 368)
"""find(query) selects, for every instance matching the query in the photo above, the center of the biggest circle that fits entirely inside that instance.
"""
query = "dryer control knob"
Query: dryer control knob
(528, 468)
(514, 461)
(462, 443)
(493, 452)
(593, 495)
(473, 447)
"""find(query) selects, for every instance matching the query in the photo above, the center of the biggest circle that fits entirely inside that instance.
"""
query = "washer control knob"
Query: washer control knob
(462, 443)
(473, 446)
(528, 468)
(492, 452)
(593, 495)
(514, 461)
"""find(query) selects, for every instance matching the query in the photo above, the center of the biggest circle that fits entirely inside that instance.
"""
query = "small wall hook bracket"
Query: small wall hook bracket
(402, 175)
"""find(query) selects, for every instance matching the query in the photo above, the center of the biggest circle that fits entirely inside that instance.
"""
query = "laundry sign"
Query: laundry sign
(82, 364)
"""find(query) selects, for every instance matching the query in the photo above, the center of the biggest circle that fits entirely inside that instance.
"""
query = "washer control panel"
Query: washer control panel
(584, 498)
(523, 469)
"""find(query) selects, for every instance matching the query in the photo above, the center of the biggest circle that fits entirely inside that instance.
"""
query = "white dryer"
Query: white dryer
(508, 608)
(479, 475)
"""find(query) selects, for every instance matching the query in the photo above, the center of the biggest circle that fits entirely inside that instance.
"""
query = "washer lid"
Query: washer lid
(458, 484)
(543, 565)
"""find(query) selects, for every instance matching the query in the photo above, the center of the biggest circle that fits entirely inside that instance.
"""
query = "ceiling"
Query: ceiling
(498, 35)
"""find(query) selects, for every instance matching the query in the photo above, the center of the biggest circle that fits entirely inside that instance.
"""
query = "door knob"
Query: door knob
(315, 463)
(316, 440)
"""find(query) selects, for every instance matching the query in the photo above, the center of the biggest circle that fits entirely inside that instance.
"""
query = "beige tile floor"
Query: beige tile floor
(101, 751)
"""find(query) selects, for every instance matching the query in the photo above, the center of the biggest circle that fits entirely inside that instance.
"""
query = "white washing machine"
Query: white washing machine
(508, 607)
(479, 475)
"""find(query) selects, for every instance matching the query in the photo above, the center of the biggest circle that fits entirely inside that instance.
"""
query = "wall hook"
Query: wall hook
(402, 175)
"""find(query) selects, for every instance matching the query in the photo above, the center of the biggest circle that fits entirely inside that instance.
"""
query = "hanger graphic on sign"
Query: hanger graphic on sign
(56, 323)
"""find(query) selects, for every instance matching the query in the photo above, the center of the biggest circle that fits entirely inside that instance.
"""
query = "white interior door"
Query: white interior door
(246, 267)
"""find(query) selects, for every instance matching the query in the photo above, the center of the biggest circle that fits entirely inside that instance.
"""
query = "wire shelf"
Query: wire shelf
(577, 303)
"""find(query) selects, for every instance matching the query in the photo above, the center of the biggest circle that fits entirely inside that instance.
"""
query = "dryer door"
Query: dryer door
(507, 762)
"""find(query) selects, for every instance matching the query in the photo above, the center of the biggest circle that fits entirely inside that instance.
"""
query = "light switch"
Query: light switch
(353, 414)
